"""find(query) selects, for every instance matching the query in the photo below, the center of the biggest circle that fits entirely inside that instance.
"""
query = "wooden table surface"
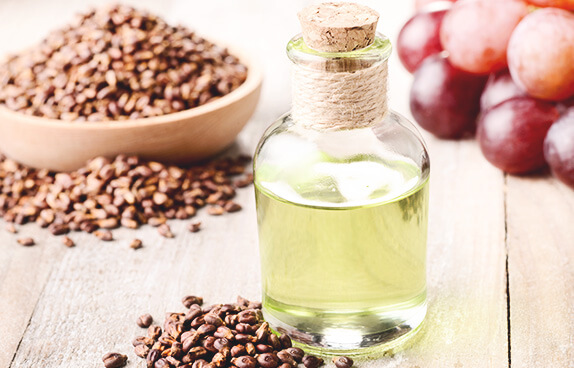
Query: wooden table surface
(500, 248)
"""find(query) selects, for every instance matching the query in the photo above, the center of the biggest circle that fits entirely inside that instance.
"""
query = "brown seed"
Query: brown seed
(11, 228)
(200, 363)
(59, 229)
(68, 242)
(220, 358)
(136, 244)
(237, 350)
(162, 363)
(156, 221)
(109, 223)
(274, 341)
(145, 340)
(129, 223)
(152, 357)
(215, 210)
(245, 328)
(160, 198)
(244, 338)
(296, 353)
(27, 242)
(141, 350)
(104, 235)
(244, 182)
(194, 227)
(213, 319)
(197, 322)
(220, 343)
(285, 341)
(224, 332)
(311, 361)
(268, 360)
(190, 341)
(248, 316)
(154, 332)
(285, 357)
(262, 348)
(245, 361)
(250, 348)
(190, 300)
(165, 231)
(343, 362)
(174, 329)
(114, 360)
(262, 332)
(232, 207)
(208, 342)
(145, 320)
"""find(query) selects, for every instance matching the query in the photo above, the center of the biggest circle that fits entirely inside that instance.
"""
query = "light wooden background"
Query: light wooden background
(501, 248)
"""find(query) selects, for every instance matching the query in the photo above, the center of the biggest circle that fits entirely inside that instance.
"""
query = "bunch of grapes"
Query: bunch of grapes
(503, 69)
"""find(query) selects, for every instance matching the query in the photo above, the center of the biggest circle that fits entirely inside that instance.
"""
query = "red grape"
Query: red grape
(564, 4)
(559, 148)
(511, 134)
(500, 87)
(419, 38)
(541, 54)
(445, 100)
(476, 32)
(421, 4)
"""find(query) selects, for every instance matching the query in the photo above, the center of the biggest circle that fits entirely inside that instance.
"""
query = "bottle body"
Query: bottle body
(342, 219)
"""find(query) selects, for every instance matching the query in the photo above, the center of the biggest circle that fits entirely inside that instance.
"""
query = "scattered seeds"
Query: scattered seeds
(194, 227)
(136, 244)
(246, 181)
(68, 242)
(165, 231)
(107, 193)
(145, 320)
(232, 207)
(218, 336)
(114, 360)
(189, 300)
(11, 228)
(215, 210)
(311, 361)
(104, 235)
(343, 362)
(28, 242)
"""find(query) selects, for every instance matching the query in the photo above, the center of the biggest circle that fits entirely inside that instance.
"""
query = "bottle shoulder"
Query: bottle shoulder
(355, 165)
(394, 136)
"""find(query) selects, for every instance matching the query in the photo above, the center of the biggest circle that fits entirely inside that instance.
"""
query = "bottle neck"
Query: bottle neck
(339, 95)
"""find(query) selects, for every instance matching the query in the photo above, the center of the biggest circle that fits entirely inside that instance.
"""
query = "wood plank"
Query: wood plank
(24, 272)
(540, 215)
(466, 321)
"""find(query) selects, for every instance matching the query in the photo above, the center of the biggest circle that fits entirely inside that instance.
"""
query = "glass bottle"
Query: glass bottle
(342, 203)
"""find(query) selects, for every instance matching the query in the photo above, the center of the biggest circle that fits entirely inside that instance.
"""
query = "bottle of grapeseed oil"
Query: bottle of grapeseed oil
(342, 195)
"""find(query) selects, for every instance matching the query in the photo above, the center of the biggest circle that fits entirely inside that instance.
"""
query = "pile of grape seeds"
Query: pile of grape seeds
(218, 336)
(117, 63)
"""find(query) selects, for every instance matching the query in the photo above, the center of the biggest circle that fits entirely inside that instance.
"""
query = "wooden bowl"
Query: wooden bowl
(180, 137)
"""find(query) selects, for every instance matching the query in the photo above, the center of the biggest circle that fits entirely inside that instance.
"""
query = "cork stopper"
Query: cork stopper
(338, 27)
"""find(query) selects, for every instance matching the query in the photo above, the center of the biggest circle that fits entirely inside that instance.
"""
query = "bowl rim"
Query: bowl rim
(251, 83)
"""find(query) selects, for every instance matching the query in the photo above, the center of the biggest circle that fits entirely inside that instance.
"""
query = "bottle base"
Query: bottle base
(348, 334)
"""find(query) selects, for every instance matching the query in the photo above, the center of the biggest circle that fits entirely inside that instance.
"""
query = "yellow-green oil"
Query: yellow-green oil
(343, 248)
